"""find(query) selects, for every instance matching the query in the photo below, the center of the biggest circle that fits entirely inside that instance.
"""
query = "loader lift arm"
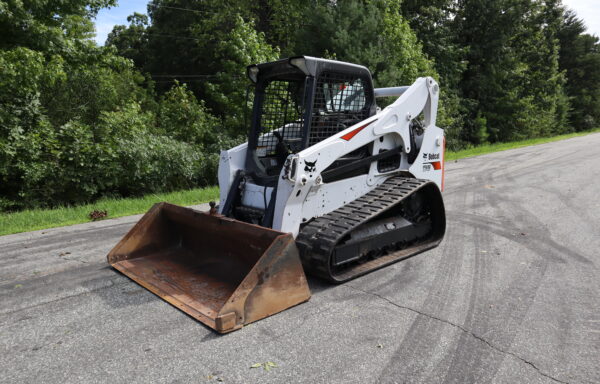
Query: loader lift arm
(390, 130)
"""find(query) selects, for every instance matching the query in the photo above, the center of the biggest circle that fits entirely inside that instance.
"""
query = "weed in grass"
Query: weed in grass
(97, 215)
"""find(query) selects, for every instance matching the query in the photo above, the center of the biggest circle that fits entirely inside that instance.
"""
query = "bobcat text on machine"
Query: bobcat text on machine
(327, 183)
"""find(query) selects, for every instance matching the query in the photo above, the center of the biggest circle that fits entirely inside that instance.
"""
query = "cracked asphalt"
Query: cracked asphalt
(512, 295)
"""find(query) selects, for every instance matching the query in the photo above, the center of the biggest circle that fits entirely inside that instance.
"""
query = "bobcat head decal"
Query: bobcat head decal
(310, 167)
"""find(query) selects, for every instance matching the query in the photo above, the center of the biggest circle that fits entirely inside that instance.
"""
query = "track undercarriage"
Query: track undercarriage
(398, 219)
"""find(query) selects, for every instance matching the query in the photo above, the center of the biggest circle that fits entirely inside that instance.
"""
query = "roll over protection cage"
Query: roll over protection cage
(309, 70)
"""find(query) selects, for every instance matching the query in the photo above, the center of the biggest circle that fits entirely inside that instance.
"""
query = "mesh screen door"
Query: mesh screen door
(339, 103)
(281, 111)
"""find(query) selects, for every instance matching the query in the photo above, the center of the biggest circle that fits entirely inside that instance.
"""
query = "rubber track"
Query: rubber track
(317, 239)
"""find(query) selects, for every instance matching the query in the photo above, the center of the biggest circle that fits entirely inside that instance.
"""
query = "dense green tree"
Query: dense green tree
(279, 20)
(372, 33)
(75, 121)
(512, 86)
(375, 34)
(205, 44)
(226, 93)
(131, 41)
(80, 153)
(48, 26)
(580, 58)
(433, 21)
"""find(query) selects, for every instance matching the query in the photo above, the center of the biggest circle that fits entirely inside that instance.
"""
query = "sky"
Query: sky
(109, 17)
(588, 10)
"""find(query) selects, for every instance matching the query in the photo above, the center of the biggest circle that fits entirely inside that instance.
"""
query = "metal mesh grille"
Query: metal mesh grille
(339, 103)
(281, 112)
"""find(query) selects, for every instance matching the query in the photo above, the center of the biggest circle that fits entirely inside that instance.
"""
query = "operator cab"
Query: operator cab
(299, 102)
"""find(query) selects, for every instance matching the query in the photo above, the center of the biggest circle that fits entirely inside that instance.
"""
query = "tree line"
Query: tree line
(151, 109)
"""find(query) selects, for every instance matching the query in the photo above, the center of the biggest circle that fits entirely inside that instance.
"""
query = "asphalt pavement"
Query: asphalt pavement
(512, 295)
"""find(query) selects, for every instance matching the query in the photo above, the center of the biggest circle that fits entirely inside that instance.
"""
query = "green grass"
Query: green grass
(34, 219)
(489, 148)
(31, 220)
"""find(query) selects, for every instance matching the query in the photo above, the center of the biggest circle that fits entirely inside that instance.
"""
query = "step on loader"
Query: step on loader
(328, 183)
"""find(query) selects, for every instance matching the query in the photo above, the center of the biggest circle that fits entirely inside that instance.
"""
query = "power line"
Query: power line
(194, 79)
(150, 5)
(204, 76)
(175, 36)
(182, 81)
(183, 75)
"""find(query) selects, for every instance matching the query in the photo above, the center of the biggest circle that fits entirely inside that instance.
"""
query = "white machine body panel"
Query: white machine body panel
(302, 194)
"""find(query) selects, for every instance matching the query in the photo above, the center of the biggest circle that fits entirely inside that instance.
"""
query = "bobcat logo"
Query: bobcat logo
(310, 167)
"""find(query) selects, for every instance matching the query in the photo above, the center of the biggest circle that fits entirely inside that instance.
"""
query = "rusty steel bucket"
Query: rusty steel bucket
(218, 270)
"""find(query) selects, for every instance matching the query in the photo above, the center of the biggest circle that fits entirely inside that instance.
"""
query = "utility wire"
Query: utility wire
(183, 81)
(150, 5)
(194, 80)
(183, 75)
(203, 76)
(176, 36)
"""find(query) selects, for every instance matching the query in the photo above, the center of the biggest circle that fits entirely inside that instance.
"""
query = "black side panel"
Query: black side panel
(233, 194)
(267, 220)
(357, 167)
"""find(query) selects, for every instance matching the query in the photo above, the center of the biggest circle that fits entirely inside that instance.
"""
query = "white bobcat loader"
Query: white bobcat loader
(327, 183)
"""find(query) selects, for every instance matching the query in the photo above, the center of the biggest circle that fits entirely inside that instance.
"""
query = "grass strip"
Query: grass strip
(34, 219)
(489, 148)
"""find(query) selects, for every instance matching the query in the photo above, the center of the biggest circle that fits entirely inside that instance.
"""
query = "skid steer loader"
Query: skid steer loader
(327, 184)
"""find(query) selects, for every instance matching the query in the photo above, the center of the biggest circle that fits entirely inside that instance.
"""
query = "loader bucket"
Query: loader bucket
(223, 272)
